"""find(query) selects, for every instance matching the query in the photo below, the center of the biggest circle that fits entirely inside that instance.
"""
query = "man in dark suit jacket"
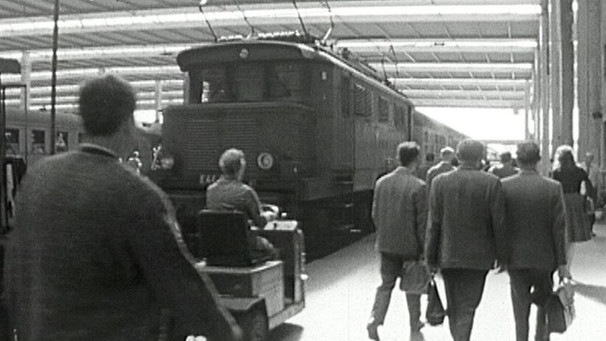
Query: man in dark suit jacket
(536, 225)
(96, 253)
(466, 234)
(399, 212)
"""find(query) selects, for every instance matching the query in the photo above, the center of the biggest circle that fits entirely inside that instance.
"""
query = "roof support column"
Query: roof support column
(544, 88)
(26, 72)
(589, 77)
(158, 99)
(554, 74)
(527, 117)
(536, 98)
(567, 90)
(602, 91)
(562, 71)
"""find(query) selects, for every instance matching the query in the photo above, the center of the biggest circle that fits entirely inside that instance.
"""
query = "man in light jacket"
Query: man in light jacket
(399, 212)
(537, 232)
(466, 235)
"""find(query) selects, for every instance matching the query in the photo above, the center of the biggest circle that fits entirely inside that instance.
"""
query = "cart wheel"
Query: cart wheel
(254, 325)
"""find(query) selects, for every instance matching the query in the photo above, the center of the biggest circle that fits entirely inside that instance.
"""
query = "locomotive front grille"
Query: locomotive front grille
(202, 144)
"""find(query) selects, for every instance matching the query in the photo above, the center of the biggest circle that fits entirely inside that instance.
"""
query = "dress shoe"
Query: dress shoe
(371, 327)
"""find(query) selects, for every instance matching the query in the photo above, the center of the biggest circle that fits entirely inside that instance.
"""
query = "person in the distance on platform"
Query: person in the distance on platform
(537, 230)
(96, 253)
(572, 177)
(447, 154)
(399, 212)
(423, 168)
(467, 234)
(506, 167)
(230, 193)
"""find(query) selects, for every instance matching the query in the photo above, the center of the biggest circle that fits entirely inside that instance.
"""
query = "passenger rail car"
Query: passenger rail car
(28, 133)
(316, 128)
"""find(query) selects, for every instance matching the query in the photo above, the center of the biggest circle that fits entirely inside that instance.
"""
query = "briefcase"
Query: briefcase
(415, 278)
(560, 308)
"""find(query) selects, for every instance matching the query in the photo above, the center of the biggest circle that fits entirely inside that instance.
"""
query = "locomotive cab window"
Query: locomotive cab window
(249, 82)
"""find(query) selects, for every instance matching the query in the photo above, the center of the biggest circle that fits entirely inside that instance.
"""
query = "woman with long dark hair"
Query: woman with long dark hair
(572, 177)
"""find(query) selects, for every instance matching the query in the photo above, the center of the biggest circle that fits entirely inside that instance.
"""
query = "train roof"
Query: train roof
(259, 50)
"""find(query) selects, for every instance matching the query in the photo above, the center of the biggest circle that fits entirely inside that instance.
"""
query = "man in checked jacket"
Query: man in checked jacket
(96, 252)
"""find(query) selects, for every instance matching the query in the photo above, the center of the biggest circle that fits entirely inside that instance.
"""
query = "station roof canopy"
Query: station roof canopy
(470, 53)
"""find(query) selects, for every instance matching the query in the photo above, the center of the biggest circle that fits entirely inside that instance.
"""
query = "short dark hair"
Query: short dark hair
(430, 157)
(470, 150)
(408, 152)
(505, 157)
(528, 153)
(105, 103)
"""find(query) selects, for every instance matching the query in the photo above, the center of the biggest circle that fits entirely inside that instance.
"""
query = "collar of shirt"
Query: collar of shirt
(92, 148)
(528, 172)
(403, 170)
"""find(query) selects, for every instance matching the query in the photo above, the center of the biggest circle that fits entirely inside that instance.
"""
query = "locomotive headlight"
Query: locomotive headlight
(243, 53)
(265, 161)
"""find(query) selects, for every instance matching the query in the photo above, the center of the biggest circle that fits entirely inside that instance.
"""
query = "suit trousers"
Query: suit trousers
(530, 286)
(391, 269)
(464, 289)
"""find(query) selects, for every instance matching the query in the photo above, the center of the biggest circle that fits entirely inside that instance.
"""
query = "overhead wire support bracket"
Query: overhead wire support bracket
(332, 23)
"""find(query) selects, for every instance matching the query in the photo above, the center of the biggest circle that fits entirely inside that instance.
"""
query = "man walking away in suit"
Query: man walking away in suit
(447, 155)
(466, 234)
(96, 253)
(537, 229)
(399, 212)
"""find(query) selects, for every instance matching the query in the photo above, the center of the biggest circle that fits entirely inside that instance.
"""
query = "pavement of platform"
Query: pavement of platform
(341, 287)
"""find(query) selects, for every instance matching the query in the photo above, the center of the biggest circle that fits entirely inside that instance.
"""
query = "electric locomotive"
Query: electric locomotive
(317, 129)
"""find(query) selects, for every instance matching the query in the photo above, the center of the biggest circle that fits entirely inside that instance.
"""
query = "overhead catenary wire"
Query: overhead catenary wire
(294, 2)
(208, 23)
(252, 28)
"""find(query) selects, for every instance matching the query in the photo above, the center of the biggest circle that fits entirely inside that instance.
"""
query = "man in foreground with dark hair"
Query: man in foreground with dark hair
(466, 235)
(399, 211)
(96, 253)
(537, 232)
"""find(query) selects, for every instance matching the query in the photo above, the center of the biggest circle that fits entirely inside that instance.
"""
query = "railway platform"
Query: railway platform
(341, 287)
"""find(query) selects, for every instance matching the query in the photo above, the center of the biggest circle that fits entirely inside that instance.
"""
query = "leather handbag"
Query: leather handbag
(435, 312)
(560, 308)
(415, 277)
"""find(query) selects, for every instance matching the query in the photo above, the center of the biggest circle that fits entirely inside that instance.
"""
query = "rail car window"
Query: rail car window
(362, 105)
(11, 136)
(345, 96)
(61, 142)
(286, 80)
(38, 142)
(400, 119)
(383, 110)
